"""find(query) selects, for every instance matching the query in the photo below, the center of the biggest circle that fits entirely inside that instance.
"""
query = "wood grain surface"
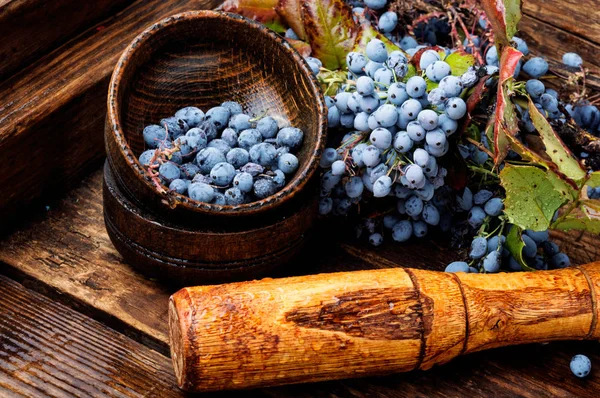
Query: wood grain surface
(66, 255)
(47, 349)
(32, 28)
(54, 110)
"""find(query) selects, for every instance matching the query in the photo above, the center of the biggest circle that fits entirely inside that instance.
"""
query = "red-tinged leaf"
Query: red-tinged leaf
(477, 94)
(262, 11)
(330, 29)
(504, 15)
(291, 13)
(505, 120)
(555, 148)
(301, 46)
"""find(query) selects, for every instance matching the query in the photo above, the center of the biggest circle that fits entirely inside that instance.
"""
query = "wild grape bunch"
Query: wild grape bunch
(224, 157)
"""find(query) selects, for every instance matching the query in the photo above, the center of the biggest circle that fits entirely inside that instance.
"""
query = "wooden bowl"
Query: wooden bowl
(202, 59)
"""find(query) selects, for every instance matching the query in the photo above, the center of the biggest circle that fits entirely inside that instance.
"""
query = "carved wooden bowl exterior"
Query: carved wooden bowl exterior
(203, 59)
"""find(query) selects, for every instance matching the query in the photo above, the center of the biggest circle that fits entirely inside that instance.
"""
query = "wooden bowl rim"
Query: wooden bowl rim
(172, 199)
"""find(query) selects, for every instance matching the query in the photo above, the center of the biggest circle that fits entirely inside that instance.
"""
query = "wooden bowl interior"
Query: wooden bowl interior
(205, 61)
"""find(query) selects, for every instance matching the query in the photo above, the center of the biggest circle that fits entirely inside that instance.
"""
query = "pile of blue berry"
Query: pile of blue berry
(223, 157)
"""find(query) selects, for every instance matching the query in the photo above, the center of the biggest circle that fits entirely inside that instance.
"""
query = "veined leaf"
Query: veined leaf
(291, 13)
(460, 62)
(515, 245)
(555, 148)
(532, 196)
(505, 119)
(262, 11)
(330, 29)
(504, 15)
(586, 217)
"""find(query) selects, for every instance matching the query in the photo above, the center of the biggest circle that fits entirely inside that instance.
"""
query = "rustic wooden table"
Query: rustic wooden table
(75, 320)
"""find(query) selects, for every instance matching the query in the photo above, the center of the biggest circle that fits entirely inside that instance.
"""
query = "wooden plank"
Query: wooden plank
(32, 28)
(576, 16)
(67, 255)
(47, 349)
(551, 42)
(54, 111)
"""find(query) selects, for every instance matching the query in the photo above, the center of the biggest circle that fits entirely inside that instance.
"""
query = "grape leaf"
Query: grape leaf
(586, 217)
(504, 15)
(555, 148)
(330, 29)
(460, 62)
(505, 118)
(515, 245)
(262, 11)
(594, 179)
(532, 196)
(291, 13)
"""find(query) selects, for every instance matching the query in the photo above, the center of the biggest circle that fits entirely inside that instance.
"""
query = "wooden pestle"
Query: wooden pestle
(353, 324)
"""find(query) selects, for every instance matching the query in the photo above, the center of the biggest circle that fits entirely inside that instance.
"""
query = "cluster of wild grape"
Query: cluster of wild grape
(399, 131)
(488, 249)
(223, 157)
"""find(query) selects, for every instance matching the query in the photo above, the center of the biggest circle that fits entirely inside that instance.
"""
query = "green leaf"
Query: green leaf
(586, 217)
(555, 148)
(594, 179)
(505, 118)
(532, 196)
(412, 71)
(431, 84)
(504, 15)
(460, 62)
(330, 29)
(331, 81)
(515, 245)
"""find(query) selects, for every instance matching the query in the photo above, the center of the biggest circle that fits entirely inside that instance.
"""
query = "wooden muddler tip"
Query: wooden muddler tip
(352, 324)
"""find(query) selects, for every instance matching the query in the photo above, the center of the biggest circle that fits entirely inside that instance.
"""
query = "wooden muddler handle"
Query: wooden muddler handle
(352, 324)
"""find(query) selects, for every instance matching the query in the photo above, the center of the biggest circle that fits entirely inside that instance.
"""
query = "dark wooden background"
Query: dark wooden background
(75, 320)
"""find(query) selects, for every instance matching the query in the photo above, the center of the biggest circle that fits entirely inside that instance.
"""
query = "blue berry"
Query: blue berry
(368, 103)
(427, 58)
(264, 188)
(381, 138)
(455, 108)
(397, 93)
(452, 86)
(572, 59)
(146, 157)
(222, 174)
(279, 179)
(248, 138)
(402, 231)
(410, 109)
(356, 62)
(325, 206)
(201, 192)
(233, 107)
(364, 86)
(419, 229)
(535, 88)
(207, 158)
(178, 185)
(376, 51)
(209, 128)
(168, 172)
(382, 186)
(536, 67)
(521, 45)
(495, 243)
(494, 207)
(530, 249)
(154, 135)
(252, 168)
(416, 86)
(492, 261)
(239, 122)
(189, 170)
(230, 136)
(263, 154)
(267, 126)
(243, 181)
(478, 248)
(482, 196)
(376, 239)
(354, 187)
(457, 266)
(234, 197)
(290, 137)
(175, 126)
(219, 116)
(407, 43)
(387, 21)
(386, 116)
(560, 260)
(288, 163)
(437, 71)
(221, 145)
(431, 214)
(538, 237)
(476, 217)
(237, 157)
(191, 115)
(415, 131)
(580, 365)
